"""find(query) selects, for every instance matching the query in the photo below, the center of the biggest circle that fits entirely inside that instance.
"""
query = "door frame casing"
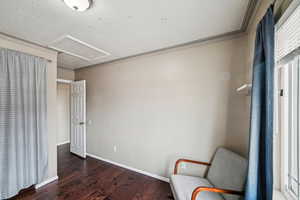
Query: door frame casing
(65, 81)
(58, 80)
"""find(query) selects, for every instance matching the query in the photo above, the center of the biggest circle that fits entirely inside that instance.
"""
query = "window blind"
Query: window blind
(288, 36)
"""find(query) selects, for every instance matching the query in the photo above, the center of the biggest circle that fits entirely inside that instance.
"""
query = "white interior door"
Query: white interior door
(78, 118)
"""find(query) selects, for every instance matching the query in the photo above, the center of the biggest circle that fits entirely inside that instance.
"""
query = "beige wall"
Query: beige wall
(238, 140)
(162, 106)
(238, 119)
(7, 42)
(65, 74)
(63, 113)
(172, 103)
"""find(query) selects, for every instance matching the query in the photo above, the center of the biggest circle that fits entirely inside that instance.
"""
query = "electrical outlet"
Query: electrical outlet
(115, 148)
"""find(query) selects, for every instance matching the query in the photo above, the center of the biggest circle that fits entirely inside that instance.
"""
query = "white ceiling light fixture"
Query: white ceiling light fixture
(79, 5)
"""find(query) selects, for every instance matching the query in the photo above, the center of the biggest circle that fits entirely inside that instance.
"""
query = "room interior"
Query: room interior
(63, 113)
(149, 99)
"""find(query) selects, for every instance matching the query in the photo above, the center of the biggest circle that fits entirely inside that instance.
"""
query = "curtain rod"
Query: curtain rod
(48, 60)
(10, 37)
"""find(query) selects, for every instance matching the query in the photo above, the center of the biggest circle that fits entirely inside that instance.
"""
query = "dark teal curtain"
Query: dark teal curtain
(259, 184)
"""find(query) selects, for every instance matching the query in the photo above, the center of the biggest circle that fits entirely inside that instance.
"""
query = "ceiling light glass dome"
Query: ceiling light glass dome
(79, 5)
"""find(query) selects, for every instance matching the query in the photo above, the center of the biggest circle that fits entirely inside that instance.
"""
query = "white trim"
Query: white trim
(49, 180)
(61, 143)
(277, 195)
(63, 81)
(130, 168)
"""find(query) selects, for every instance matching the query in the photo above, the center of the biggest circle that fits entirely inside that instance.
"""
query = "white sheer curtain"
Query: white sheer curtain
(23, 123)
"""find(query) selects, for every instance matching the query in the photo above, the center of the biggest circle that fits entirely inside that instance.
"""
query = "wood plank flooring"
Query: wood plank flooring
(92, 179)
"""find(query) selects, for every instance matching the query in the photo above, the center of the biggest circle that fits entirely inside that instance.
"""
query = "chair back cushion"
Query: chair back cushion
(228, 171)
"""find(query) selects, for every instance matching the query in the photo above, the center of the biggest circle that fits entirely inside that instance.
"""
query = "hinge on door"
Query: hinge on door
(281, 93)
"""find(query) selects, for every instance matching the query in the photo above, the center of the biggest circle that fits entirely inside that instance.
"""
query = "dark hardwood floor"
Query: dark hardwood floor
(92, 179)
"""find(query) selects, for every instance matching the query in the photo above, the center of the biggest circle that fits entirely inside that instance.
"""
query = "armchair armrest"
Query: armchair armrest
(189, 161)
(211, 189)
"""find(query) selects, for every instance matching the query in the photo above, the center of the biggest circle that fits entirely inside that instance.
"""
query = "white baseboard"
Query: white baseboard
(130, 168)
(49, 180)
(65, 142)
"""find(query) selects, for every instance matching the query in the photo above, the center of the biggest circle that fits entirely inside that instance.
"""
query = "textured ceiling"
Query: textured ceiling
(121, 28)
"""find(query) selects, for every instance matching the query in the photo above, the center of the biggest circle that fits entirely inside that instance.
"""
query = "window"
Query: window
(289, 111)
(287, 101)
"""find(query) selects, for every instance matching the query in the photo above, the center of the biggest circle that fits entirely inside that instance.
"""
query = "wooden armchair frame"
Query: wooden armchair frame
(201, 189)
(188, 161)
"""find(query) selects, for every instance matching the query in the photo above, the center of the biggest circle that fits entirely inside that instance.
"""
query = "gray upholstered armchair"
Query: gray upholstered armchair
(225, 179)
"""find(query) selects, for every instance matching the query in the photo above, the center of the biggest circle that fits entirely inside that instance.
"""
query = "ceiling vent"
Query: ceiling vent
(78, 48)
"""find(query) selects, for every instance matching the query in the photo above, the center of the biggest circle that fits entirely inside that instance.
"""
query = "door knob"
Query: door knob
(81, 123)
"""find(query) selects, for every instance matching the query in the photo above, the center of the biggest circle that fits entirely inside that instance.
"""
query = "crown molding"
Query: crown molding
(252, 5)
(217, 38)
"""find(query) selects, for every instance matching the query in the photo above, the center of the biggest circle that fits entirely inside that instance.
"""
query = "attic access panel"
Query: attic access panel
(75, 47)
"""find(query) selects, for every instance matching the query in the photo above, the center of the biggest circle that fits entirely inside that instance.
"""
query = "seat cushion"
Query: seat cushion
(228, 171)
(183, 187)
